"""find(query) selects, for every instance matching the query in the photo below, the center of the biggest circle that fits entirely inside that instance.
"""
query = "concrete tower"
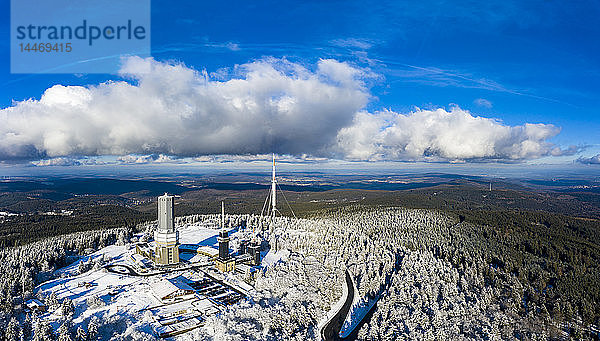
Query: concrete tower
(223, 237)
(166, 237)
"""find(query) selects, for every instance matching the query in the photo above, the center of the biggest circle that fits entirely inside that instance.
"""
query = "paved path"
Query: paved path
(114, 268)
(331, 330)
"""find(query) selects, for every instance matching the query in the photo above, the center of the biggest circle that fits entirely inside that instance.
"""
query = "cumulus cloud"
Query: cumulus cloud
(59, 161)
(65, 161)
(171, 109)
(139, 159)
(304, 158)
(442, 135)
(594, 160)
(164, 111)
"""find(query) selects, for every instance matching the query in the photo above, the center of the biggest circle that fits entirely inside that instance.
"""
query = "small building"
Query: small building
(243, 248)
(35, 305)
(245, 270)
(208, 251)
(225, 265)
(144, 249)
(141, 261)
(170, 289)
(174, 329)
(243, 259)
(254, 250)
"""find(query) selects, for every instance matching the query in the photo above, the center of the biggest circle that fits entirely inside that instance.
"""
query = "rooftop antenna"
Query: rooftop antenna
(222, 215)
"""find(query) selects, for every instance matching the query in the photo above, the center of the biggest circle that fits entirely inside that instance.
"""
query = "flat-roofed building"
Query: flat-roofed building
(167, 289)
(35, 305)
(208, 251)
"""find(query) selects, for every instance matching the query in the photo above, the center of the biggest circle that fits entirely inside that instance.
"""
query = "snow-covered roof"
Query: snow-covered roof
(138, 258)
(34, 303)
(209, 251)
(166, 287)
(198, 258)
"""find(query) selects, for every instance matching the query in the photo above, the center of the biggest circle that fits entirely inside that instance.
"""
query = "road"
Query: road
(114, 268)
(331, 330)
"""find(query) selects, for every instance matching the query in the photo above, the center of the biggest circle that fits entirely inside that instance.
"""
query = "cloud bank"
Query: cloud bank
(444, 135)
(594, 160)
(272, 105)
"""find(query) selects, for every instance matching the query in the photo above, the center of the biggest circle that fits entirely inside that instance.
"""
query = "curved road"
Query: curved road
(114, 268)
(331, 330)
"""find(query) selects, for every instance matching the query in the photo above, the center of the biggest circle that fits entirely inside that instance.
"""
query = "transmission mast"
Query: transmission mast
(273, 196)
(223, 215)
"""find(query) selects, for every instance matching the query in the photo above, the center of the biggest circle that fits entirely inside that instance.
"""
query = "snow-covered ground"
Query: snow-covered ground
(274, 257)
(97, 293)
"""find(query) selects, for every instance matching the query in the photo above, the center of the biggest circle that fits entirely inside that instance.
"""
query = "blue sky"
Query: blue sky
(516, 61)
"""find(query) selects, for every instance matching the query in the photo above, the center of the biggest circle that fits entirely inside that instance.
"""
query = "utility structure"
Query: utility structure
(166, 237)
(224, 262)
(270, 200)
(273, 197)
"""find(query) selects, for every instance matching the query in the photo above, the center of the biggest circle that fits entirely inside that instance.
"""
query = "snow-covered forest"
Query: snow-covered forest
(437, 277)
(431, 275)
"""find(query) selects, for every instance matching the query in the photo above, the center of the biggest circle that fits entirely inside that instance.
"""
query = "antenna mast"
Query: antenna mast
(273, 195)
(222, 215)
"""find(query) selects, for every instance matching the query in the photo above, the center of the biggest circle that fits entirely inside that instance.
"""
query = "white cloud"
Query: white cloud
(59, 161)
(273, 105)
(139, 159)
(438, 134)
(482, 102)
(356, 43)
(169, 110)
(304, 158)
(594, 160)
(66, 161)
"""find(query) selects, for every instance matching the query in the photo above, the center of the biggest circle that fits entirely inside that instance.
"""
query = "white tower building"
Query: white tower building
(166, 237)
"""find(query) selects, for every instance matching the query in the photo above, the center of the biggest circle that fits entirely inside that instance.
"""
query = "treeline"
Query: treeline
(558, 256)
(24, 229)
(452, 197)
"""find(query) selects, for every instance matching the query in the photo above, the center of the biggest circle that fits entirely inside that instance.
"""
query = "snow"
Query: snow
(131, 294)
(109, 296)
(198, 234)
(275, 257)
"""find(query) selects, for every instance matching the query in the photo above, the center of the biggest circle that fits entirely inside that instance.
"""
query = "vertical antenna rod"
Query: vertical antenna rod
(222, 215)
(273, 194)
